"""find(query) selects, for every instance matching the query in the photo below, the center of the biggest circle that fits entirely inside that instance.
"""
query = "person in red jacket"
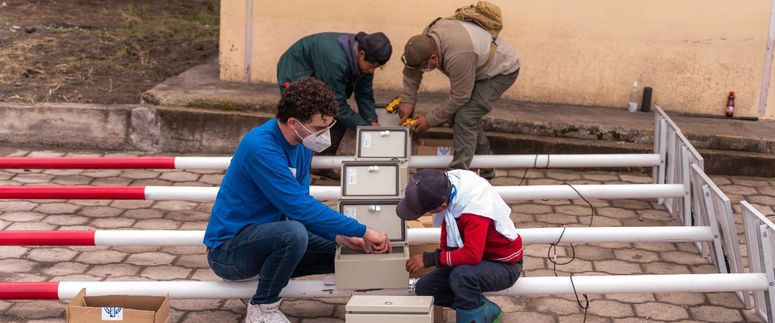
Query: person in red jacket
(481, 250)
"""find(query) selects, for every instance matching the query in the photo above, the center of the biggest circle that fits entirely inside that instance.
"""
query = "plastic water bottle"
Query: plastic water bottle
(634, 96)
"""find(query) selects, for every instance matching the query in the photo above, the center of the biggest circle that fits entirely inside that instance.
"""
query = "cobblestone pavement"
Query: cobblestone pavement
(175, 263)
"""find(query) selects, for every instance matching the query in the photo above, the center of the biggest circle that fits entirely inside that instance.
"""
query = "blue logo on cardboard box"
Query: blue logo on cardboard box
(112, 314)
(442, 151)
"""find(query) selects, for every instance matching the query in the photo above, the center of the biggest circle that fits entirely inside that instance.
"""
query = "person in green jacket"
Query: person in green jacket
(346, 63)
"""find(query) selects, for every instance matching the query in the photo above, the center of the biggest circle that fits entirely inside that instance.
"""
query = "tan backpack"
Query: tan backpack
(485, 15)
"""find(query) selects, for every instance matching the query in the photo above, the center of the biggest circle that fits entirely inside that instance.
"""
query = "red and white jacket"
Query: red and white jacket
(480, 242)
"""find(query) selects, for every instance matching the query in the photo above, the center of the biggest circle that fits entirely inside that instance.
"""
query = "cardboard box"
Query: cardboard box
(438, 147)
(118, 308)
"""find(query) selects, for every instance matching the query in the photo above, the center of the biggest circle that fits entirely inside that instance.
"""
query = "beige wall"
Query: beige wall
(692, 52)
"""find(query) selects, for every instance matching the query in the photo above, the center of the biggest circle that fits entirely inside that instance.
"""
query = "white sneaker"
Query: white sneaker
(265, 313)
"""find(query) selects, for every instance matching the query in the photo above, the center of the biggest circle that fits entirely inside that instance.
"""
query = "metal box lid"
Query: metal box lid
(377, 179)
(383, 142)
(378, 214)
(389, 304)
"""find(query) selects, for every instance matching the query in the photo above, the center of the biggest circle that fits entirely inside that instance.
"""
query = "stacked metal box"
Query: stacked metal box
(372, 185)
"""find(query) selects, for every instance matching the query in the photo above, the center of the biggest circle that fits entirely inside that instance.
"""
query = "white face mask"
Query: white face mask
(316, 142)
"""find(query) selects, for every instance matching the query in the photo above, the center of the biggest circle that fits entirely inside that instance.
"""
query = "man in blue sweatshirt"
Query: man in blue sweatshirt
(264, 222)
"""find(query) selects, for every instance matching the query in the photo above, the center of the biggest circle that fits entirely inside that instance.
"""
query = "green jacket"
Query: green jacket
(323, 57)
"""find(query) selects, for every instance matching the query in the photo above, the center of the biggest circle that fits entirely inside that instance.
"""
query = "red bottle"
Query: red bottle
(730, 109)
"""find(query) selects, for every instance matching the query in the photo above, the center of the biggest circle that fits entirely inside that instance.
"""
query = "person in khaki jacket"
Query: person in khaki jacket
(462, 51)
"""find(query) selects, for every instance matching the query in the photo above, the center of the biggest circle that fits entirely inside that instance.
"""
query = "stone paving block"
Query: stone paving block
(768, 190)
(615, 212)
(72, 180)
(540, 250)
(187, 215)
(44, 254)
(531, 173)
(602, 177)
(729, 300)
(10, 266)
(665, 268)
(113, 223)
(151, 182)
(510, 181)
(102, 173)
(150, 259)
(704, 269)
(631, 298)
(63, 172)
(528, 316)
(617, 267)
(22, 216)
(32, 178)
(749, 181)
(76, 278)
(715, 314)
(533, 263)
(196, 304)
(557, 219)
(6, 175)
(530, 208)
(552, 202)
(636, 255)
(9, 206)
(65, 219)
(580, 318)
(636, 179)
(139, 174)
(65, 268)
(91, 202)
(179, 176)
(521, 218)
(655, 246)
(738, 189)
(131, 204)
(761, 199)
(210, 317)
(4, 224)
(12, 251)
(575, 266)
(555, 305)
(157, 224)
(600, 221)
(212, 179)
(36, 310)
(108, 270)
(661, 311)
(307, 308)
(165, 272)
(100, 257)
(30, 226)
(593, 252)
(192, 261)
(573, 210)
(57, 208)
(199, 225)
(184, 250)
(196, 184)
(143, 214)
(607, 308)
(540, 181)
(175, 205)
(100, 211)
(111, 181)
(689, 299)
(10, 183)
(681, 257)
(205, 275)
(631, 204)
(562, 175)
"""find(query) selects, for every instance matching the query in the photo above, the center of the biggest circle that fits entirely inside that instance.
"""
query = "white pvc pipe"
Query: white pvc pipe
(586, 234)
(508, 193)
(202, 162)
(695, 283)
(479, 161)
(431, 235)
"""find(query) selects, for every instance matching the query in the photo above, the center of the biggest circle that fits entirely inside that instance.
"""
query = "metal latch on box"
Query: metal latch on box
(384, 133)
(374, 208)
(373, 169)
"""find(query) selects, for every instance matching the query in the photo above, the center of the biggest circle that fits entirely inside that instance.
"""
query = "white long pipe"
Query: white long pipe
(479, 161)
(695, 283)
(431, 235)
(509, 193)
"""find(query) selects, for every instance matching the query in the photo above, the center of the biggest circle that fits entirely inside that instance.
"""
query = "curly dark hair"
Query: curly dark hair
(305, 98)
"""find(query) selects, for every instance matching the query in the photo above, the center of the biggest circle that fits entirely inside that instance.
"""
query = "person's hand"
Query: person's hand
(405, 111)
(377, 241)
(353, 243)
(375, 123)
(420, 124)
(415, 264)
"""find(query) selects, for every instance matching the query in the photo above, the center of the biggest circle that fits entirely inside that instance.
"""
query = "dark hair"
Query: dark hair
(376, 46)
(305, 98)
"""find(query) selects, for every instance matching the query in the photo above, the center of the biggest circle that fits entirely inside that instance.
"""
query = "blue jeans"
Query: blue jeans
(461, 287)
(274, 252)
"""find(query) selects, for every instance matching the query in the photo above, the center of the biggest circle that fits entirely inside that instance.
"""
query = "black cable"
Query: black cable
(535, 165)
(551, 253)
(585, 307)
(591, 207)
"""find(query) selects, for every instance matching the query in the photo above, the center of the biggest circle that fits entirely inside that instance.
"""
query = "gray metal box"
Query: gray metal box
(372, 179)
(356, 270)
(389, 309)
(383, 143)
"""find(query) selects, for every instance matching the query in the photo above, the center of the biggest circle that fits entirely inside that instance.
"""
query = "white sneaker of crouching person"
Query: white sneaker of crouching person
(265, 313)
